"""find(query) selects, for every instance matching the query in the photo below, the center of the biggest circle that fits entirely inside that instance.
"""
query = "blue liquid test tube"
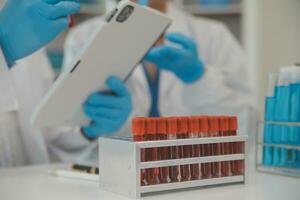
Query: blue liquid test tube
(269, 116)
(294, 138)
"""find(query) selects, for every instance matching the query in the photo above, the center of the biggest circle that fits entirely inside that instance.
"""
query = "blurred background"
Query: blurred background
(269, 31)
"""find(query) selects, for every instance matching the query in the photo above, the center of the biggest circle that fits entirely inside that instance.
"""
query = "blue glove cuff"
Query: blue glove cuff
(5, 46)
(192, 74)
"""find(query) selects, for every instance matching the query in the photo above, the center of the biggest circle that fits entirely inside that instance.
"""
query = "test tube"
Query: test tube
(234, 147)
(225, 147)
(138, 131)
(214, 129)
(205, 148)
(163, 152)
(184, 151)
(174, 154)
(151, 153)
(194, 129)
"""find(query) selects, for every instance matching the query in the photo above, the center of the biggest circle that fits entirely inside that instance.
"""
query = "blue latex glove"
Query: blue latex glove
(182, 60)
(143, 2)
(27, 25)
(108, 113)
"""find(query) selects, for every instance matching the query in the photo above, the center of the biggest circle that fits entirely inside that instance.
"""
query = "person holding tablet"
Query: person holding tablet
(200, 69)
(25, 27)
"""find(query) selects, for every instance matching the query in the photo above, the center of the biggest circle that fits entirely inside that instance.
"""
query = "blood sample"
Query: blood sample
(174, 154)
(214, 130)
(151, 153)
(225, 147)
(205, 148)
(163, 152)
(138, 131)
(235, 147)
(186, 150)
(194, 131)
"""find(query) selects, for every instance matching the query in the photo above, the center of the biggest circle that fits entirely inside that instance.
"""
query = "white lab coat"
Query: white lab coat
(224, 89)
(20, 143)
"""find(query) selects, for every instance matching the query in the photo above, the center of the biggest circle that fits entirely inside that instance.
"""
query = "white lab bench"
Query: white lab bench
(34, 183)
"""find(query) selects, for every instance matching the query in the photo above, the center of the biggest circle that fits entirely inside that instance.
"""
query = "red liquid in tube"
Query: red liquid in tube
(163, 152)
(234, 147)
(214, 131)
(184, 151)
(205, 148)
(138, 131)
(225, 147)
(174, 154)
(239, 148)
(194, 129)
(151, 153)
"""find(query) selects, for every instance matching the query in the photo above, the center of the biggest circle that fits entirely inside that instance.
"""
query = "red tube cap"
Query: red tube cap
(214, 124)
(203, 122)
(183, 125)
(194, 124)
(151, 125)
(138, 126)
(162, 125)
(224, 123)
(233, 123)
(172, 125)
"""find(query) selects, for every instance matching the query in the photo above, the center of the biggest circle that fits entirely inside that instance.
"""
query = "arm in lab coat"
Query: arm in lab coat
(68, 145)
(8, 100)
(225, 87)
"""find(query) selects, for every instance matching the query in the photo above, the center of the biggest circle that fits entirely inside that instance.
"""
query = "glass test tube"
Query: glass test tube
(184, 151)
(138, 131)
(174, 154)
(214, 129)
(163, 152)
(233, 146)
(151, 153)
(225, 147)
(194, 129)
(205, 148)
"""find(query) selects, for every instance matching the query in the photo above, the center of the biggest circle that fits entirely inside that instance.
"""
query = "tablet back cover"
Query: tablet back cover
(115, 50)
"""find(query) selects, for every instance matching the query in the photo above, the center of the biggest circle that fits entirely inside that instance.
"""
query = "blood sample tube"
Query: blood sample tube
(239, 147)
(205, 148)
(186, 150)
(214, 130)
(225, 147)
(233, 146)
(163, 152)
(138, 131)
(151, 153)
(194, 130)
(174, 154)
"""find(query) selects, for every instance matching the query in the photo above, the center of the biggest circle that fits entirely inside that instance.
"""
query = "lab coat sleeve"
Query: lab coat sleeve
(226, 79)
(225, 87)
(70, 146)
(8, 101)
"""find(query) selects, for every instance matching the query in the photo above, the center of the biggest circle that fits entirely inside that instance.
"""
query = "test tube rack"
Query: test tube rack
(120, 164)
(273, 168)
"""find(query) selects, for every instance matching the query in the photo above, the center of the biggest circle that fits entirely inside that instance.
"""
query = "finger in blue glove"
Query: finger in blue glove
(108, 113)
(26, 26)
(184, 60)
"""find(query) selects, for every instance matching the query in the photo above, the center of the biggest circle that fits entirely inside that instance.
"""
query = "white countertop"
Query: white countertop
(31, 183)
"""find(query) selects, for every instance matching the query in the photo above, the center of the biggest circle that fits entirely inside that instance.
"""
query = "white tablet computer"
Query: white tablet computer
(119, 46)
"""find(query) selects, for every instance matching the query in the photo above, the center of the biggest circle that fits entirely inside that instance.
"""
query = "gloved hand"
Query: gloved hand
(108, 113)
(182, 60)
(27, 25)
